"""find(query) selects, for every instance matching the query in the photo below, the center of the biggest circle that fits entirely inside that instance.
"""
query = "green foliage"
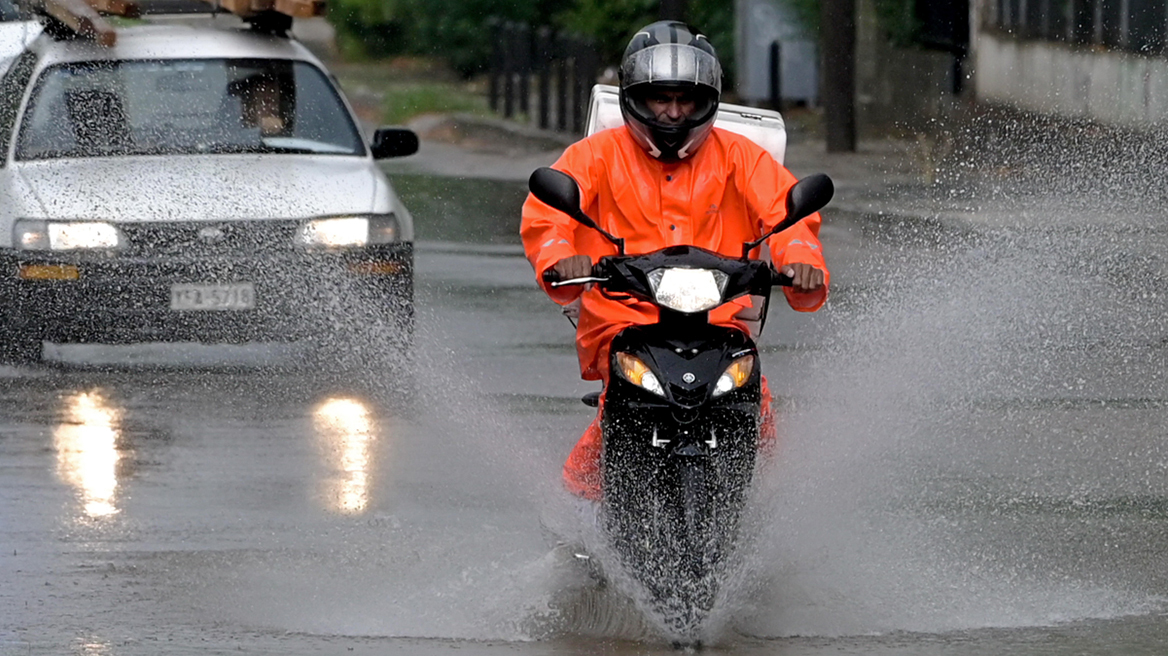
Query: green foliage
(899, 21)
(715, 19)
(807, 12)
(897, 18)
(610, 23)
(456, 30)
(408, 100)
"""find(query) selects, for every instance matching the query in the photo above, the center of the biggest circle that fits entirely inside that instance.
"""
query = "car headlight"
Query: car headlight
(632, 369)
(65, 235)
(383, 229)
(688, 290)
(349, 231)
(735, 375)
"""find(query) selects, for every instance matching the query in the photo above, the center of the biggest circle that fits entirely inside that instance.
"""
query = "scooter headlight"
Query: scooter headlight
(735, 375)
(688, 290)
(632, 369)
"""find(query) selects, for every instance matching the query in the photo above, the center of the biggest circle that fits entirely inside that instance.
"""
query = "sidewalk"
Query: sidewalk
(465, 146)
(883, 178)
(983, 168)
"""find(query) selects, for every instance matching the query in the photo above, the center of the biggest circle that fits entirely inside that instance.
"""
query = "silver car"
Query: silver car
(193, 183)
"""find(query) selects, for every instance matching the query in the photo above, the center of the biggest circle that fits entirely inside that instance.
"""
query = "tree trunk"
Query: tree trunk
(838, 39)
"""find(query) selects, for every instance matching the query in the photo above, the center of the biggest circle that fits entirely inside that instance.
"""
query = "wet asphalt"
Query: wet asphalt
(972, 461)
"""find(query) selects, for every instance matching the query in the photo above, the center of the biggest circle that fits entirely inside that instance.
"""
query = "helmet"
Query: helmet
(669, 56)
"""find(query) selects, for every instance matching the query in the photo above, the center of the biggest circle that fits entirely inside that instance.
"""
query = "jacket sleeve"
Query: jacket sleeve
(548, 234)
(768, 183)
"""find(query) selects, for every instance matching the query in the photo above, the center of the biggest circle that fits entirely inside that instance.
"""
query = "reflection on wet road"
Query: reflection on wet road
(346, 432)
(86, 441)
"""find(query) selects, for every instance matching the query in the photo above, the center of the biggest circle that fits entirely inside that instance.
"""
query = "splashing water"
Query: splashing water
(972, 448)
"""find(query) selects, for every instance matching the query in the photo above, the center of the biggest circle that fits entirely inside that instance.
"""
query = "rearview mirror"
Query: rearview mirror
(805, 197)
(557, 189)
(393, 142)
(809, 195)
(560, 191)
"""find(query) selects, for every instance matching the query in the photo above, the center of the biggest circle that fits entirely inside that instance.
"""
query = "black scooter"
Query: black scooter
(681, 411)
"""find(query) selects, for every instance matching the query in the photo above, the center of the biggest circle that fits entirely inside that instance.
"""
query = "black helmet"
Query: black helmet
(669, 56)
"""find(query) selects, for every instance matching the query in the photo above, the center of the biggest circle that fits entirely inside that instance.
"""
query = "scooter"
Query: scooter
(680, 423)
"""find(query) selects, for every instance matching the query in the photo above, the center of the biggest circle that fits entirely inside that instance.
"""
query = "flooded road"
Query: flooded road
(973, 461)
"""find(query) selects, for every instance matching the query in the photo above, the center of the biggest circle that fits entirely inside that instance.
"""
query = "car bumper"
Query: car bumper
(91, 297)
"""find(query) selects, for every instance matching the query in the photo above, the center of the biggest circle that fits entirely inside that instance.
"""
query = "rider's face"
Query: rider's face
(670, 107)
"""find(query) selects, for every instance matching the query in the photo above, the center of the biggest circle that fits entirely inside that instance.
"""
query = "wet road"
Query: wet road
(973, 461)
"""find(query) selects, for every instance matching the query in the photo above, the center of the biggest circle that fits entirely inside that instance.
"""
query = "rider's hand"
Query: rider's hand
(577, 266)
(804, 277)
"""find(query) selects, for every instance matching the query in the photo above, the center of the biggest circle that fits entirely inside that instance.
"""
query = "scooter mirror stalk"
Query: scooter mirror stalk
(806, 197)
(560, 191)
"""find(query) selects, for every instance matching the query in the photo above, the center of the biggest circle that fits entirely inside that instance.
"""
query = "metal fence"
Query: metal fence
(1134, 25)
(541, 74)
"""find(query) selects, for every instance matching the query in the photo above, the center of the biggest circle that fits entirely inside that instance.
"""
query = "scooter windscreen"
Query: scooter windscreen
(688, 290)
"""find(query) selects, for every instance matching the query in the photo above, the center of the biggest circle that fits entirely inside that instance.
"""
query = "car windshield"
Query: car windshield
(102, 109)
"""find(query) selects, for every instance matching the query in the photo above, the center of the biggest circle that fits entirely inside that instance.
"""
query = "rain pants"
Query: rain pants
(728, 192)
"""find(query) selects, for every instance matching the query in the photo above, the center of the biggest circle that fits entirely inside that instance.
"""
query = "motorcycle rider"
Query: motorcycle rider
(666, 177)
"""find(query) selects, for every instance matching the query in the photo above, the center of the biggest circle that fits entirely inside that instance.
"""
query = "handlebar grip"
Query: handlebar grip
(553, 276)
(780, 279)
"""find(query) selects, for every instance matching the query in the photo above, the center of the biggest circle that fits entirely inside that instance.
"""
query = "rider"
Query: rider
(667, 177)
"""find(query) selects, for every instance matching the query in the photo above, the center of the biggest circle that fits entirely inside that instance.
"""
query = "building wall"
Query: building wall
(760, 23)
(897, 88)
(1108, 86)
(1084, 59)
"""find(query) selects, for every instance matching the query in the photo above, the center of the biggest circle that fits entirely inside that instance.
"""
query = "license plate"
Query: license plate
(236, 296)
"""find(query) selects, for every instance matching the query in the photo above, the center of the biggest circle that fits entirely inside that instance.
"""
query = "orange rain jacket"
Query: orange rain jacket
(727, 193)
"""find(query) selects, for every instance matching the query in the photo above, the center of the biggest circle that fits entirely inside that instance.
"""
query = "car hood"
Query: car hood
(14, 37)
(201, 187)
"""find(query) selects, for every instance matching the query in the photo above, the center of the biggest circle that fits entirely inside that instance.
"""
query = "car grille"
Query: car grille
(209, 237)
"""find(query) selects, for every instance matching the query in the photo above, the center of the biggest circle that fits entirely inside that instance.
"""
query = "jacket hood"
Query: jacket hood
(200, 187)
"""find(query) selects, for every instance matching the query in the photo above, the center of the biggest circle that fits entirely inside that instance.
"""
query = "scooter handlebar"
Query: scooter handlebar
(779, 279)
(553, 277)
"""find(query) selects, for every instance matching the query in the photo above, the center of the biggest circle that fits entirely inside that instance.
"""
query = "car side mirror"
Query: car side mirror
(393, 142)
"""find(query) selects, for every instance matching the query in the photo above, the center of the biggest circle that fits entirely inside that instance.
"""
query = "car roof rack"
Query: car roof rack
(86, 18)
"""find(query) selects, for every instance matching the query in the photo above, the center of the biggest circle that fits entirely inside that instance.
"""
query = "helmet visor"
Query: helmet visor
(648, 103)
(672, 63)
